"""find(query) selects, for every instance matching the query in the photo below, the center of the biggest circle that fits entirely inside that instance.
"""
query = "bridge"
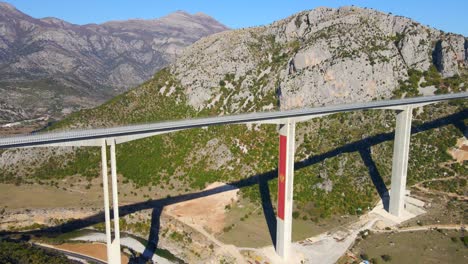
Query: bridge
(286, 120)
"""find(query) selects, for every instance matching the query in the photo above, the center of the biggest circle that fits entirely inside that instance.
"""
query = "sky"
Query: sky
(447, 15)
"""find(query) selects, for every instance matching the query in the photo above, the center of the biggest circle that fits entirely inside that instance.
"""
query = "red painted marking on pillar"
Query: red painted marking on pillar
(282, 175)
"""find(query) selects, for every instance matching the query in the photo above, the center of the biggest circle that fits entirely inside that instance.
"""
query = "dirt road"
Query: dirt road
(421, 228)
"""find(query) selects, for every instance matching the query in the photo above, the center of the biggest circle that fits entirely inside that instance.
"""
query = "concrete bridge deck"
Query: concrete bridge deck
(122, 134)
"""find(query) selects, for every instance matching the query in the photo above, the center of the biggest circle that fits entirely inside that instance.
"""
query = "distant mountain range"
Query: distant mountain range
(49, 66)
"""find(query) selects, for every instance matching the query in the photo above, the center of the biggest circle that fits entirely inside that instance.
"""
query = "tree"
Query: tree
(364, 256)
(22, 252)
(295, 214)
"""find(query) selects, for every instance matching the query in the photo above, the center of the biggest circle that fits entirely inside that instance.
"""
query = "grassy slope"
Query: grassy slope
(333, 147)
(410, 247)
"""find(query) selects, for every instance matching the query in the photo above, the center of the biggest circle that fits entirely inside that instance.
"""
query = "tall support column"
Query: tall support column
(400, 161)
(105, 186)
(116, 243)
(285, 189)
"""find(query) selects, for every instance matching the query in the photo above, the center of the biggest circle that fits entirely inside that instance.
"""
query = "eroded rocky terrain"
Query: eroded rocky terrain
(49, 66)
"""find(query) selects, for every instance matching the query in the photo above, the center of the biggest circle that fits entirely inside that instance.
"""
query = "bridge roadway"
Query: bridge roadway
(170, 126)
(285, 119)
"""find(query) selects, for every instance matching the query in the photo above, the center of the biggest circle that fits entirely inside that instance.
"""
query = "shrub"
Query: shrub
(176, 236)
(386, 257)
(364, 256)
(21, 252)
(295, 214)
(364, 233)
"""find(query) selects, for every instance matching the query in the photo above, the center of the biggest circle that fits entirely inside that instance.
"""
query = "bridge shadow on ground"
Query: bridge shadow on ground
(362, 146)
(375, 176)
(461, 126)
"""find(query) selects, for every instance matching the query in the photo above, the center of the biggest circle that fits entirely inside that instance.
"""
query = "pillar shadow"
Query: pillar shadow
(375, 176)
(153, 238)
(268, 210)
(362, 146)
(462, 127)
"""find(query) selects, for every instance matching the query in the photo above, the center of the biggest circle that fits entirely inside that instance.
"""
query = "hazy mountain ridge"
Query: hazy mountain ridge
(88, 63)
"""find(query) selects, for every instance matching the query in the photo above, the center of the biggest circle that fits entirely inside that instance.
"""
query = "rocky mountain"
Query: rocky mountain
(49, 66)
(319, 57)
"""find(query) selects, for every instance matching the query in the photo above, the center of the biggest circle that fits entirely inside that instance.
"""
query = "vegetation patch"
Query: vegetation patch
(22, 252)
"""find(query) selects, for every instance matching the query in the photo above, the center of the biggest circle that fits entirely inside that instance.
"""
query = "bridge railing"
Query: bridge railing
(92, 137)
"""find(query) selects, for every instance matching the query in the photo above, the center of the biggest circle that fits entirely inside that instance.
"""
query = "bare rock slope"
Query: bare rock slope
(318, 57)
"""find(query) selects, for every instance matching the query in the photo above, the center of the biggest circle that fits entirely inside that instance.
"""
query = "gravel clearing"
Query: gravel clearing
(124, 241)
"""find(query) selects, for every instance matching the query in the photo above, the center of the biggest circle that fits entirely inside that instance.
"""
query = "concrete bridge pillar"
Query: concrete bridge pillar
(400, 161)
(285, 189)
(113, 246)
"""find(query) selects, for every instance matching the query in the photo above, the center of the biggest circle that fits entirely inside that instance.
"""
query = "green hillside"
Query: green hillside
(349, 152)
(343, 160)
(21, 252)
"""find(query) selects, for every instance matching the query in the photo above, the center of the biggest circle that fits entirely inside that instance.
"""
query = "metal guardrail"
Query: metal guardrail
(170, 126)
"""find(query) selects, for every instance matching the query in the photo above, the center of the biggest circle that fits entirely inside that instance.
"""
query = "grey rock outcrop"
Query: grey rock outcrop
(326, 185)
(413, 48)
(450, 53)
(443, 59)
(466, 51)
(68, 67)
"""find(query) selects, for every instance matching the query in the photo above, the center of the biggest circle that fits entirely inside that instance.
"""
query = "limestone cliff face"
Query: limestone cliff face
(450, 53)
(318, 57)
(49, 66)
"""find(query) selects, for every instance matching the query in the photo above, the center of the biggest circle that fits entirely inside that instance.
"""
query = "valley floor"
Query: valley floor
(249, 240)
(217, 225)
